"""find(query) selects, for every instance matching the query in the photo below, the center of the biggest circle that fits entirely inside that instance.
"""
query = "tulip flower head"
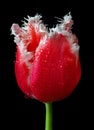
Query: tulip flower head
(47, 64)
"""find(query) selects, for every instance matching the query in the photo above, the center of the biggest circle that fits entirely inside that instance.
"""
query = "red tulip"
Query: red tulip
(47, 65)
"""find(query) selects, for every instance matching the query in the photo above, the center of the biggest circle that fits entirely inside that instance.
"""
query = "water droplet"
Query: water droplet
(45, 61)
(46, 56)
(48, 52)
(41, 51)
(59, 61)
(61, 66)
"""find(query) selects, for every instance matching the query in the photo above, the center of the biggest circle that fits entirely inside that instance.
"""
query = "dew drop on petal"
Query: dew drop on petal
(61, 66)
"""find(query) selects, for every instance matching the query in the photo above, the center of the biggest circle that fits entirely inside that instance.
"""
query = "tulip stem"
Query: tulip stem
(48, 118)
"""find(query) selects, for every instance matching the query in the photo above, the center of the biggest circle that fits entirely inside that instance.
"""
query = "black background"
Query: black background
(19, 112)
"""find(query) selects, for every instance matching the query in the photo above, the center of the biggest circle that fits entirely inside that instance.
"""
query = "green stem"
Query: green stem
(48, 119)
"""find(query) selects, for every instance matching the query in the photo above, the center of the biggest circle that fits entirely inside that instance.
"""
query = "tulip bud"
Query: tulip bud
(47, 65)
